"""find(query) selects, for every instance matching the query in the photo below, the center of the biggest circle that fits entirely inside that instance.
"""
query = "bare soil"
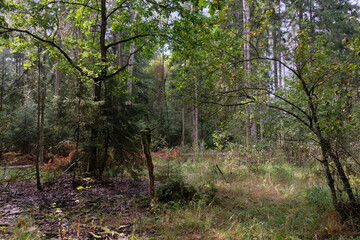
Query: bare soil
(107, 208)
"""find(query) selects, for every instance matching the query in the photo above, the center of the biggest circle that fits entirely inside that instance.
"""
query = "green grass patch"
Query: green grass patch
(268, 200)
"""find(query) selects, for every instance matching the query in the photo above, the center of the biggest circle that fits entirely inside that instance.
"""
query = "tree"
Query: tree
(313, 77)
(41, 92)
(96, 64)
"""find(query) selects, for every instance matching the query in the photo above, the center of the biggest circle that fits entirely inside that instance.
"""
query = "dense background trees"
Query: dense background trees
(277, 75)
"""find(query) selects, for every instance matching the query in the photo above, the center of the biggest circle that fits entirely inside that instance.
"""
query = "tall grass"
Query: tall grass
(261, 200)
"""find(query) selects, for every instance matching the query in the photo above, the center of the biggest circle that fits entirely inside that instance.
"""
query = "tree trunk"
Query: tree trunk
(329, 178)
(129, 84)
(42, 121)
(248, 125)
(119, 53)
(195, 119)
(2, 83)
(278, 40)
(93, 166)
(247, 69)
(340, 171)
(1, 100)
(146, 142)
(253, 129)
(301, 15)
(57, 78)
(40, 132)
(182, 127)
(261, 131)
(275, 54)
(164, 78)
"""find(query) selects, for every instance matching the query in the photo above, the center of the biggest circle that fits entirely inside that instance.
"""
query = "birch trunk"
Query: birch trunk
(250, 122)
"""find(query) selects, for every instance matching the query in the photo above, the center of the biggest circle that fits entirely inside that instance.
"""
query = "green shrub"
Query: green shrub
(175, 190)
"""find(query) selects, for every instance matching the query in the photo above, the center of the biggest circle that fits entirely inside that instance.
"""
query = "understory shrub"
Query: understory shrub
(177, 190)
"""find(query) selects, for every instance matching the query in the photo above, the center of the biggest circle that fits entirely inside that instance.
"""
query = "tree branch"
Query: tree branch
(126, 40)
(67, 57)
(74, 3)
(125, 66)
(283, 99)
(229, 105)
(116, 8)
(292, 114)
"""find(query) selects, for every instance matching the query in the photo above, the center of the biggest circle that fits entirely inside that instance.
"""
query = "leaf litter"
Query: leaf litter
(104, 208)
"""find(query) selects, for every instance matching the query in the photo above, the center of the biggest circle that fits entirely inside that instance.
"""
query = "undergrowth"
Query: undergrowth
(257, 200)
(219, 197)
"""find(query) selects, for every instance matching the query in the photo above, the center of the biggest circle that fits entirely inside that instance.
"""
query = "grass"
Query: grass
(254, 200)
(268, 200)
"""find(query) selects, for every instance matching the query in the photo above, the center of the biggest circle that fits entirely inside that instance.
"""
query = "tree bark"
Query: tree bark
(182, 127)
(340, 170)
(146, 142)
(329, 178)
(40, 132)
(275, 54)
(57, 78)
(2, 83)
(129, 84)
(247, 68)
(93, 166)
(195, 118)
(1, 100)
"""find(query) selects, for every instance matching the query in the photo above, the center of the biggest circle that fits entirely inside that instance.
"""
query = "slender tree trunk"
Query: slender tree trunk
(301, 15)
(1, 100)
(195, 119)
(42, 122)
(79, 94)
(248, 125)
(2, 83)
(279, 36)
(253, 128)
(57, 78)
(129, 83)
(342, 174)
(106, 153)
(164, 78)
(146, 142)
(247, 68)
(39, 126)
(329, 178)
(275, 54)
(183, 127)
(119, 52)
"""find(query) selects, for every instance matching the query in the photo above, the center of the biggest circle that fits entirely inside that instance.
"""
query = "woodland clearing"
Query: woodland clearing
(254, 200)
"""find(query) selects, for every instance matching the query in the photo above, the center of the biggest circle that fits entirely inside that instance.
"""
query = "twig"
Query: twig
(221, 173)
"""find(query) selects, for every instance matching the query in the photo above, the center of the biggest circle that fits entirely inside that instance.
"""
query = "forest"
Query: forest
(179, 119)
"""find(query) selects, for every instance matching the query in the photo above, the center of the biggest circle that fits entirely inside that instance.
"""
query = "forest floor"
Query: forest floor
(250, 198)
(103, 209)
